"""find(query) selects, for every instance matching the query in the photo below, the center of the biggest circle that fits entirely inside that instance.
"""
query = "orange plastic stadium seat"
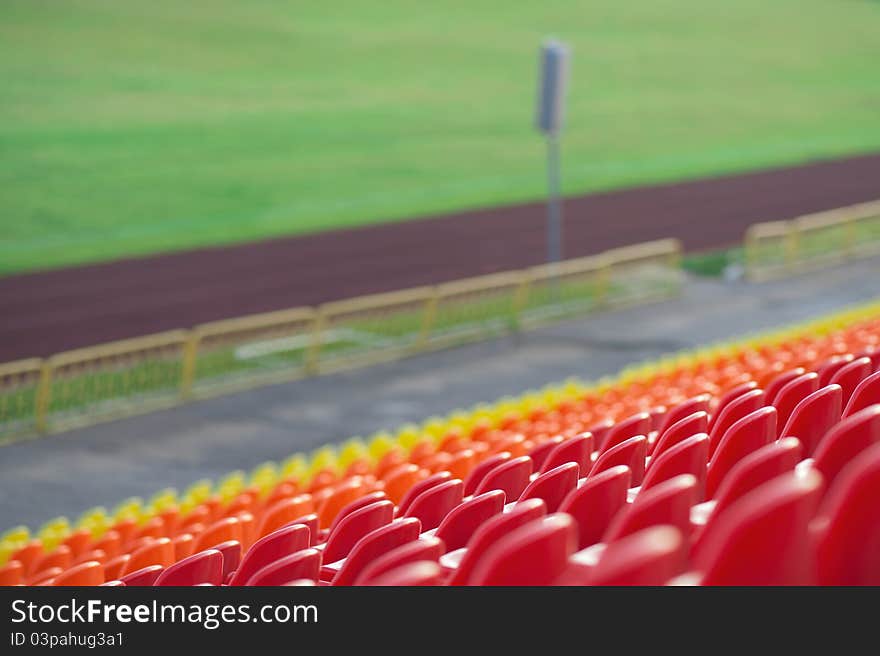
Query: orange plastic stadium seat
(45, 577)
(743, 437)
(553, 486)
(845, 441)
(426, 548)
(270, 548)
(479, 472)
(791, 394)
(355, 526)
(668, 503)
(686, 427)
(400, 479)
(689, 456)
(184, 545)
(110, 543)
(493, 530)
(510, 477)
(652, 556)
(763, 538)
(462, 463)
(90, 572)
(419, 487)
(284, 511)
(577, 449)
(343, 494)
(373, 545)
(304, 564)
(867, 393)
(114, 567)
(849, 524)
(533, 554)
(203, 567)
(28, 555)
(461, 522)
(433, 504)
(814, 416)
(631, 453)
(12, 573)
(61, 557)
(78, 541)
(225, 529)
(158, 552)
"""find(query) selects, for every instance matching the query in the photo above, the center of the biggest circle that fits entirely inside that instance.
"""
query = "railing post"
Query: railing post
(429, 314)
(314, 353)
(188, 367)
(44, 397)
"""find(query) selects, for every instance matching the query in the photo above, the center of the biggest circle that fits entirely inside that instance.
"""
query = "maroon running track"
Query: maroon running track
(47, 312)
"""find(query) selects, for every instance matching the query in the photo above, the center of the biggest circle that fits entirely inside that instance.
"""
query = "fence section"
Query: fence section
(781, 248)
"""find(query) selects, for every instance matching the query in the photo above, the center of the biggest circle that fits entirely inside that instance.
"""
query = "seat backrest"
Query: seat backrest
(459, 525)
(310, 521)
(143, 577)
(553, 486)
(491, 531)
(728, 397)
(637, 424)
(778, 382)
(850, 375)
(539, 453)
(203, 567)
(652, 556)
(355, 526)
(374, 544)
(304, 564)
(689, 456)
(425, 548)
(763, 538)
(533, 554)
(849, 524)
(867, 393)
(270, 548)
(157, 552)
(479, 472)
(511, 477)
(595, 503)
(343, 494)
(283, 512)
(828, 369)
(668, 503)
(693, 424)
(740, 407)
(400, 479)
(578, 449)
(89, 572)
(791, 394)
(684, 409)
(746, 435)
(420, 573)
(631, 453)
(432, 505)
(231, 552)
(423, 485)
(814, 416)
(845, 441)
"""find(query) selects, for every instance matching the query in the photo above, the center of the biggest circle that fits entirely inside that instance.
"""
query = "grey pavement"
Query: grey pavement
(67, 473)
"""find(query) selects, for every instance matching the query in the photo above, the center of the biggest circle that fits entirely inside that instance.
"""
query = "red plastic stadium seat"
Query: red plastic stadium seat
(553, 485)
(493, 530)
(763, 538)
(684, 409)
(845, 441)
(432, 505)
(578, 449)
(304, 564)
(231, 552)
(814, 416)
(425, 548)
(595, 503)
(775, 386)
(738, 408)
(479, 472)
(867, 393)
(357, 504)
(355, 526)
(203, 567)
(638, 424)
(310, 521)
(461, 522)
(668, 502)
(143, 577)
(421, 573)
(745, 436)
(599, 431)
(791, 394)
(631, 453)
(539, 453)
(374, 544)
(652, 556)
(693, 424)
(418, 488)
(729, 397)
(533, 554)
(687, 457)
(850, 375)
(270, 548)
(828, 369)
(511, 477)
(849, 524)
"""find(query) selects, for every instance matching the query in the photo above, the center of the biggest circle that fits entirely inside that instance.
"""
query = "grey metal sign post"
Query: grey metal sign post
(551, 104)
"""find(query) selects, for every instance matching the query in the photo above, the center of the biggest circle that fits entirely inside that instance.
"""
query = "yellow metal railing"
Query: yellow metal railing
(137, 375)
(781, 248)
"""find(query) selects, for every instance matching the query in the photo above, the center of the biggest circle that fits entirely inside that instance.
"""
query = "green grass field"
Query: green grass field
(130, 127)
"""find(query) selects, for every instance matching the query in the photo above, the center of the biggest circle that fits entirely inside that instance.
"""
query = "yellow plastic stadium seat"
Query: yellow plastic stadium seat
(163, 499)
(323, 458)
(379, 445)
(408, 435)
(295, 466)
(16, 534)
(351, 450)
(265, 476)
(198, 491)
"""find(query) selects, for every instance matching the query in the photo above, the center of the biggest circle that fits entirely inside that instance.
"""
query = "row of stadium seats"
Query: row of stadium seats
(755, 462)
